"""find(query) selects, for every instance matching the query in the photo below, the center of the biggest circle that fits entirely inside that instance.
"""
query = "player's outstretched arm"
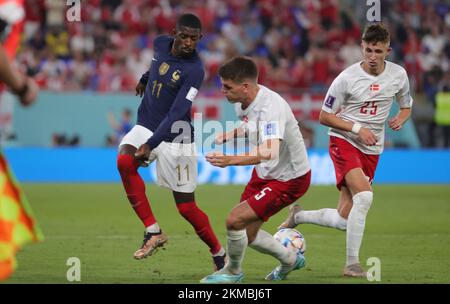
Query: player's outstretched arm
(226, 136)
(396, 122)
(268, 150)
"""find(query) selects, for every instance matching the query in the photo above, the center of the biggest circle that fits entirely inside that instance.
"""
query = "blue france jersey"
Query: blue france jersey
(172, 84)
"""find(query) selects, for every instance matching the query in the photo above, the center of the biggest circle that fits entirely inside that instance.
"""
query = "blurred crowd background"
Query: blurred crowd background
(300, 46)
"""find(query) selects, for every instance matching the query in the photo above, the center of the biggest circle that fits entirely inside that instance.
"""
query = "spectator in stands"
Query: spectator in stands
(120, 128)
(350, 52)
(295, 43)
(265, 28)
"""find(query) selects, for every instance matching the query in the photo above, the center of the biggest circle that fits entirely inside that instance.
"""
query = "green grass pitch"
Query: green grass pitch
(408, 229)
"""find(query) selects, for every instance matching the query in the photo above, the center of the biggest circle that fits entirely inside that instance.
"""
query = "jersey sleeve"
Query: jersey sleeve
(403, 96)
(181, 106)
(273, 123)
(335, 95)
(144, 77)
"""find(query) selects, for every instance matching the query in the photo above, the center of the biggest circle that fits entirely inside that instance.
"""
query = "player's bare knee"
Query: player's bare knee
(234, 223)
(127, 149)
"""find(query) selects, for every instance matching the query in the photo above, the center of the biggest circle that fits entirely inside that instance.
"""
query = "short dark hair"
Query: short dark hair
(189, 20)
(238, 69)
(376, 32)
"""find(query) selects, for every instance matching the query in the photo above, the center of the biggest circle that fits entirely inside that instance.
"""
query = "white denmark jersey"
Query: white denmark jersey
(357, 96)
(267, 117)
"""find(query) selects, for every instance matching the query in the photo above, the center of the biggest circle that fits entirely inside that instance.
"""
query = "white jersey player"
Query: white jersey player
(270, 117)
(356, 108)
(282, 173)
(359, 97)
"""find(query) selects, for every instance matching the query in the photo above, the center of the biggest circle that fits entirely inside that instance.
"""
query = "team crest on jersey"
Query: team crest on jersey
(176, 75)
(163, 68)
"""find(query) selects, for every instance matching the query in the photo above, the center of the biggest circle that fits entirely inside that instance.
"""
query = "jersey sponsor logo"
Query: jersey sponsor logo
(270, 129)
(163, 68)
(374, 87)
(191, 94)
(330, 101)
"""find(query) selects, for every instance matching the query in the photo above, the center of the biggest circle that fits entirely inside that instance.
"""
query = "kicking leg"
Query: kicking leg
(135, 189)
(239, 218)
(264, 242)
(327, 217)
(199, 220)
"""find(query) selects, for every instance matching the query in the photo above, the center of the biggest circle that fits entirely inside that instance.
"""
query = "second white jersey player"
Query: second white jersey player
(270, 117)
(359, 97)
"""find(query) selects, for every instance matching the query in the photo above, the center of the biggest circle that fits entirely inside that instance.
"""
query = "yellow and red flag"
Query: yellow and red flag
(17, 223)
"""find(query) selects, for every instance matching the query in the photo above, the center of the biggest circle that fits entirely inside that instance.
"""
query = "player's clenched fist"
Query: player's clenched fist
(140, 89)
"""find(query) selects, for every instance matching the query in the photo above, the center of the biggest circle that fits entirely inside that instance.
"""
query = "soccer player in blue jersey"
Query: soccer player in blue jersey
(164, 116)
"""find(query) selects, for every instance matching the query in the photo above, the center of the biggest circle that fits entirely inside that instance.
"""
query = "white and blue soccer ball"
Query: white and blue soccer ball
(291, 238)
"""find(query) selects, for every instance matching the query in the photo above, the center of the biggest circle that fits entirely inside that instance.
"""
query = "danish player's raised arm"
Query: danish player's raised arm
(271, 131)
(180, 107)
(268, 150)
(227, 136)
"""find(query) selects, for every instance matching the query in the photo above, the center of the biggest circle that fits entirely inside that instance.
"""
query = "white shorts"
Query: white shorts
(176, 164)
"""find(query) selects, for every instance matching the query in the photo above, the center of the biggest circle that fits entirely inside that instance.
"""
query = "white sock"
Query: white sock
(265, 243)
(356, 223)
(237, 243)
(154, 228)
(324, 217)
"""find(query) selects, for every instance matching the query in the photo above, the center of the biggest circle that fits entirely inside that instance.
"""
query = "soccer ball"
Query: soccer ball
(291, 238)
